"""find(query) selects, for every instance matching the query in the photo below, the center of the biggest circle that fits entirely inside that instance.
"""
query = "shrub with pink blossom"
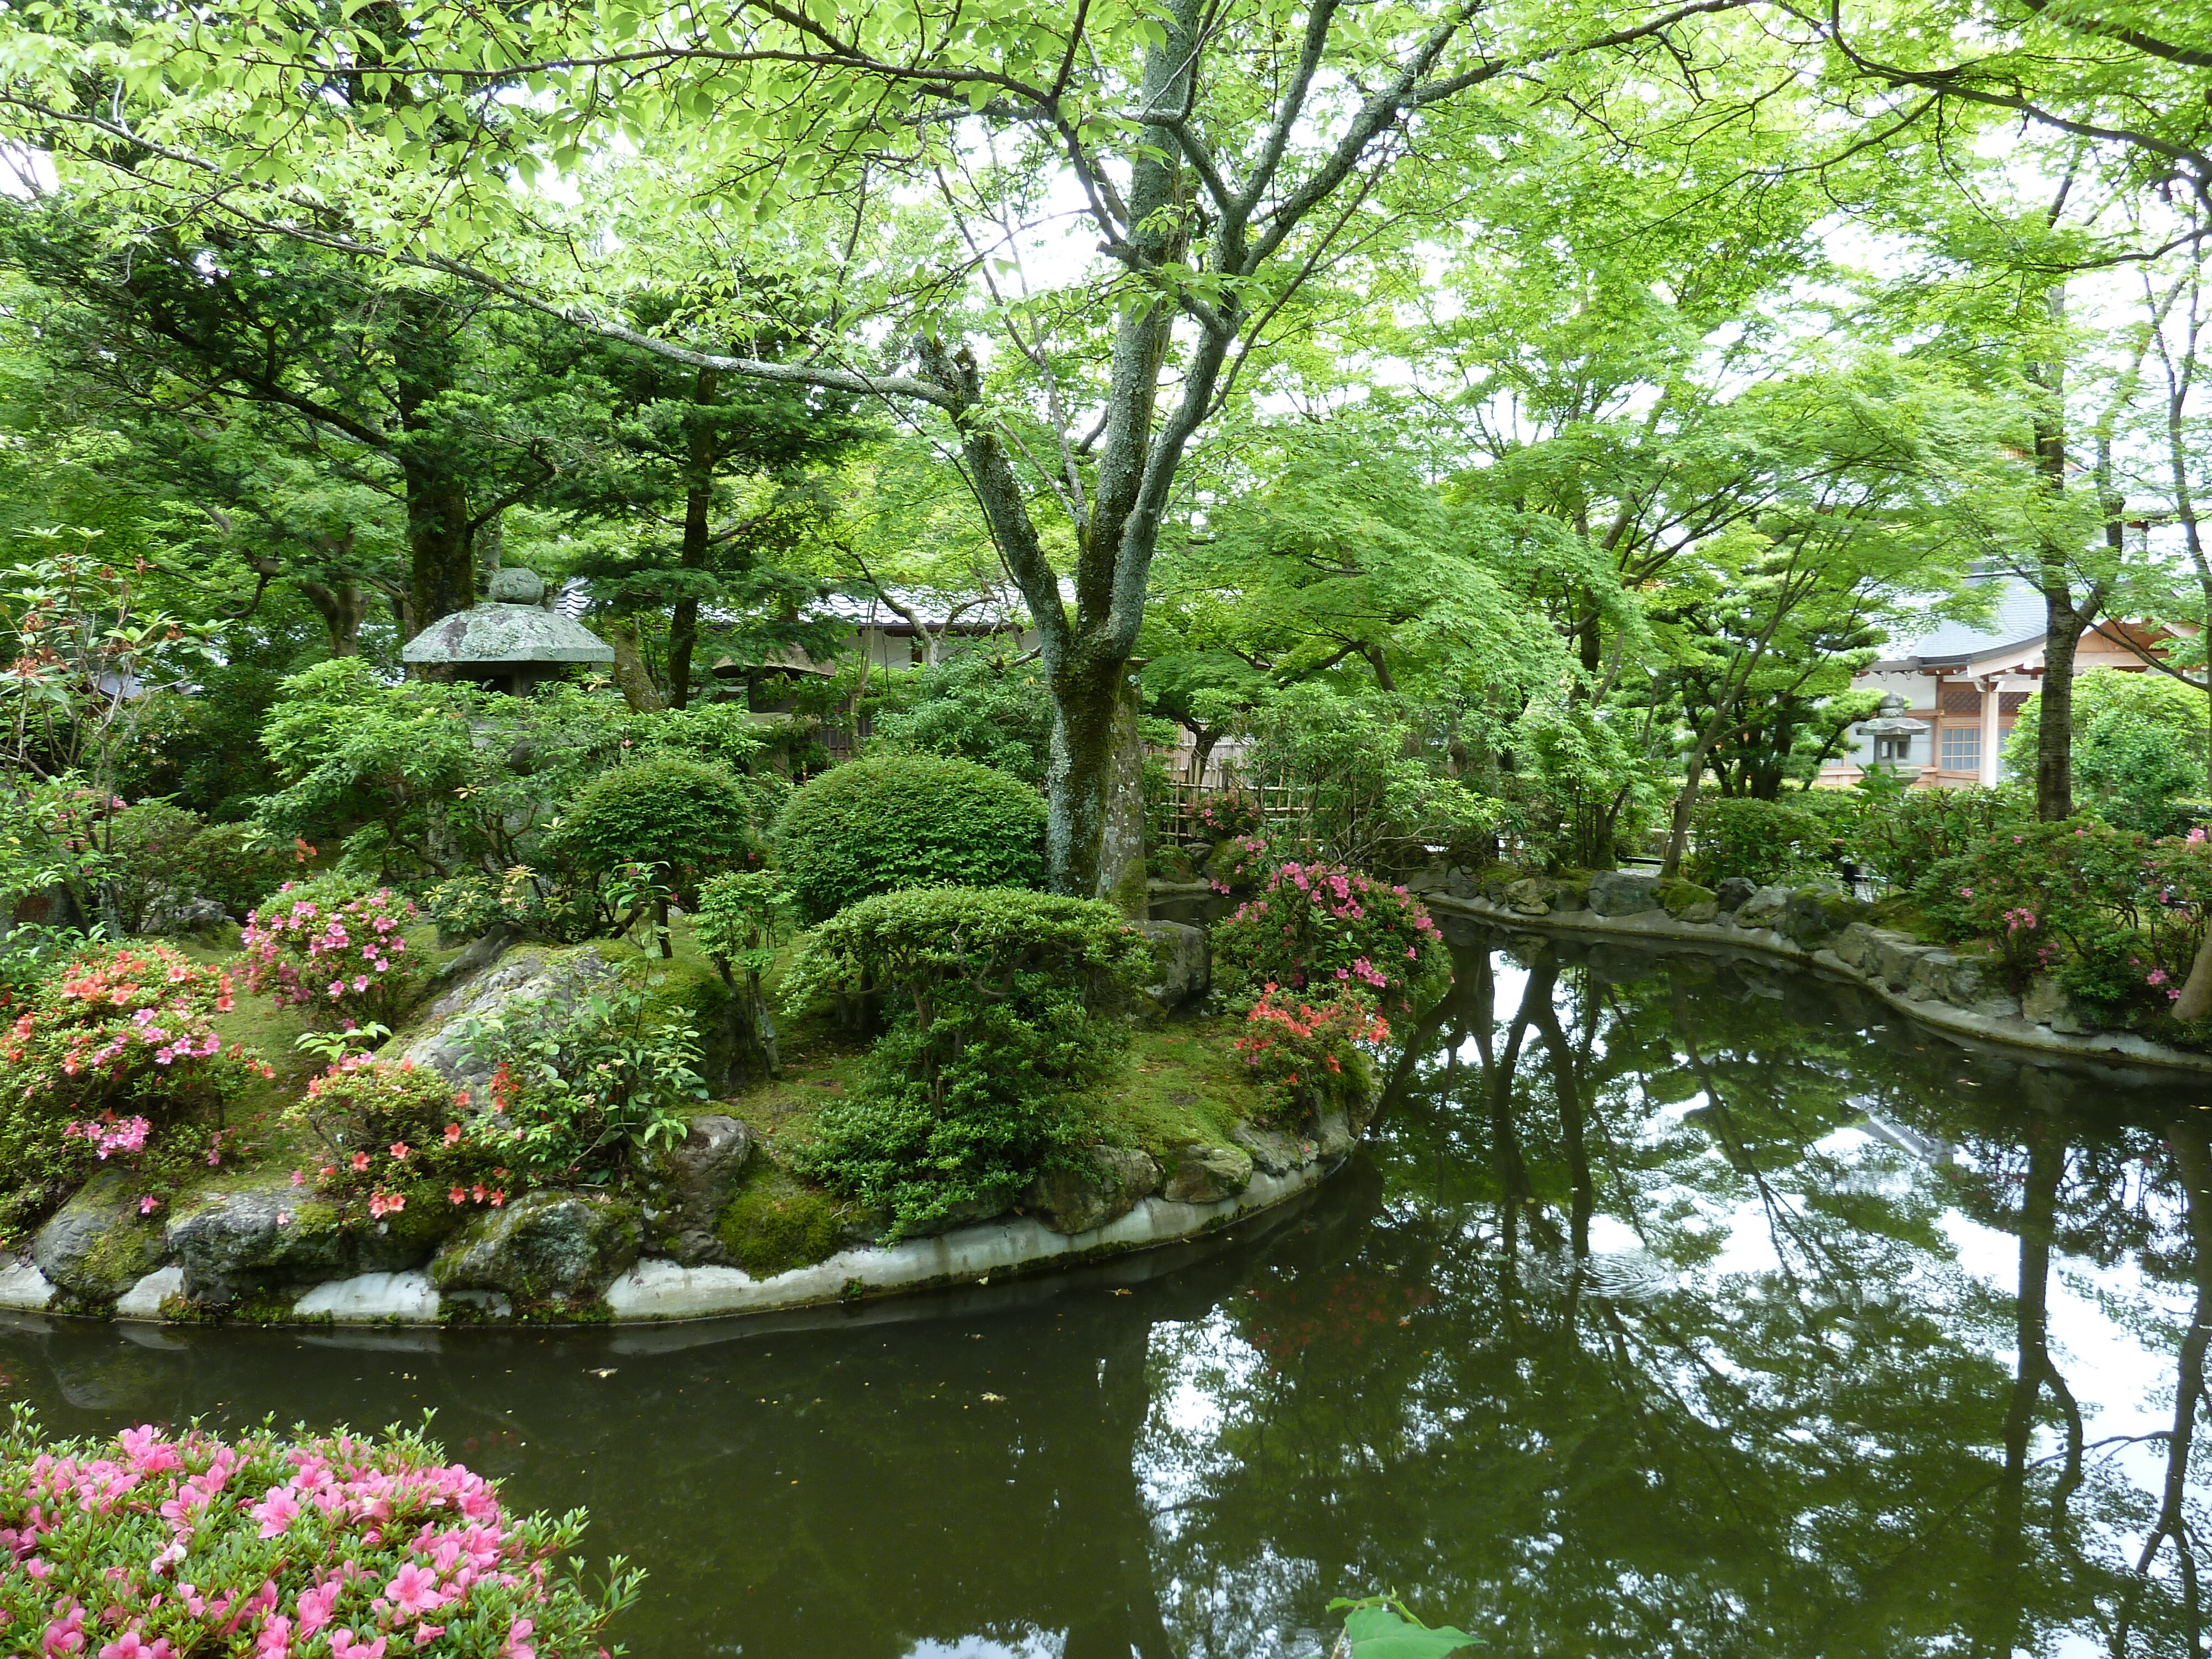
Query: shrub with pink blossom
(1227, 814)
(152, 1546)
(1316, 925)
(398, 1140)
(344, 957)
(114, 1059)
(1312, 1055)
(1242, 863)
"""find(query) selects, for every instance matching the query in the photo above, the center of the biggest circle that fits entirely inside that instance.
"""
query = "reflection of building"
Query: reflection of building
(1964, 685)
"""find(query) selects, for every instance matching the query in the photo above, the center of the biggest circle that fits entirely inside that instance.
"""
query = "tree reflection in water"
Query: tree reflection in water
(1678, 1308)
(1699, 1351)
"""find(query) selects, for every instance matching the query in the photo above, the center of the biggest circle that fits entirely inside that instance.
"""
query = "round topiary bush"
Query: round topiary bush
(689, 819)
(875, 826)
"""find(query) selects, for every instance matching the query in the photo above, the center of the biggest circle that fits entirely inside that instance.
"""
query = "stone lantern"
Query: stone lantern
(1892, 731)
(511, 641)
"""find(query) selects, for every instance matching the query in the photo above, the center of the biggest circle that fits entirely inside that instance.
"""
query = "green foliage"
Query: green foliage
(561, 911)
(590, 1087)
(237, 867)
(1580, 788)
(742, 918)
(2139, 747)
(685, 818)
(1909, 836)
(1006, 1009)
(975, 707)
(1762, 841)
(1367, 777)
(876, 825)
(428, 780)
(149, 851)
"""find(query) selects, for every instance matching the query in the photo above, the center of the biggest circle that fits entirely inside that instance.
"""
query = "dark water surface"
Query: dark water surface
(1679, 1307)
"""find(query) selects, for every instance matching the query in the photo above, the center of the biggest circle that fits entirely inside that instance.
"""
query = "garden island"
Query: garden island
(1146, 828)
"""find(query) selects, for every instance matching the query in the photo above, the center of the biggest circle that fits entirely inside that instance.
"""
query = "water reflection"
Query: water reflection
(1680, 1307)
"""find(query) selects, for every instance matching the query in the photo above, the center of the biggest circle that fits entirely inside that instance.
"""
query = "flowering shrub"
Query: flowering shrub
(1225, 816)
(1321, 924)
(147, 1546)
(587, 1087)
(400, 1139)
(345, 958)
(1311, 1056)
(1240, 863)
(114, 1058)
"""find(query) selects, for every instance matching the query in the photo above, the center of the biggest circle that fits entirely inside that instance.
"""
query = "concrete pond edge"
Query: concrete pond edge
(2010, 1030)
(658, 1291)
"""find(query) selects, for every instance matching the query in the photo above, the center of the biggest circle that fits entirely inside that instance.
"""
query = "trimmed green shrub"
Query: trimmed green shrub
(874, 826)
(1762, 841)
(1006, 1008)
(688, 819)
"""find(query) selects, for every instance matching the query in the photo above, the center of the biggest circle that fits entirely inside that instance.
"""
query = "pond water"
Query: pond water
(1680, 1306)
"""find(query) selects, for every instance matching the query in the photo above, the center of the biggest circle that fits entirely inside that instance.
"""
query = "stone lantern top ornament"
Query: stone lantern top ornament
(511, 641)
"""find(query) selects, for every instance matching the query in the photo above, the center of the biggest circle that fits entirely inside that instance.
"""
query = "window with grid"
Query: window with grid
(1962, 748)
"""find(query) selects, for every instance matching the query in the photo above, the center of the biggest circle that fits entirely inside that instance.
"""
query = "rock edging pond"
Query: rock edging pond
(1815, 925)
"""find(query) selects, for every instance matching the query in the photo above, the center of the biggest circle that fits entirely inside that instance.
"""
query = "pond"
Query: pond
(1679, 1306)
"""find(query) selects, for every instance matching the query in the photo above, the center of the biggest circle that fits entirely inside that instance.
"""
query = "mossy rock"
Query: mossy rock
(1816, 913)
(776, 1223)
(1676, 896)
(1570, 890)
(686, 988)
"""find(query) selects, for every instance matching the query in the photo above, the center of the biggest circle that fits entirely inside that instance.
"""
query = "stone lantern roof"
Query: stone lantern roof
(511, 637)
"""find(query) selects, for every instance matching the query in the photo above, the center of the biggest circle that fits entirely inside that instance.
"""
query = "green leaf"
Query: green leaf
(1381, 1633)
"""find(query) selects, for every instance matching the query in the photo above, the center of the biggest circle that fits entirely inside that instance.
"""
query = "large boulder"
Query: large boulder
(1818, 913)
(1273, 1153)
(2048, 1003)
(1732, 891)
(98, 1245)
(1183, 961)
(1531, 896)
(1764, 908)
(693, 1182)
(1206, 1175)
(1624, 892)
(238, 1244)
(523, 980)
(545, 1247)
(1076, 1201)
(1686, 901)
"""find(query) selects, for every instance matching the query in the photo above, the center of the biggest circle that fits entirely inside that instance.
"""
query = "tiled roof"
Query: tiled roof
(2016, 618)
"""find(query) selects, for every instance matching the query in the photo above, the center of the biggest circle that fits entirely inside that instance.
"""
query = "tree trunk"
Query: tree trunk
(442, 568)
(344, 607)
(631, 677)
(1686, 804)
(2064, 623)
(698, 497)
(1121, 844)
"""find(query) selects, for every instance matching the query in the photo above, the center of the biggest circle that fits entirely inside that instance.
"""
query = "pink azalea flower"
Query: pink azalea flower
(415, 1590)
